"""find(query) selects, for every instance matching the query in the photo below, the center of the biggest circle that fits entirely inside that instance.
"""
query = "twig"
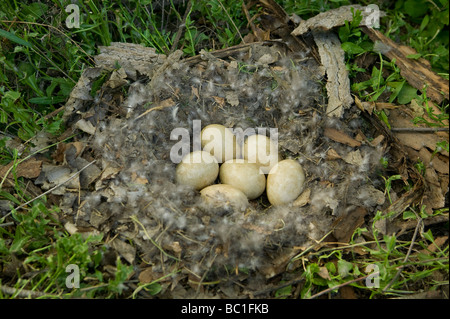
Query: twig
(134, 219)
(420, 129)
(181, 27)
(268, 290)
(53, 188)
(249, 19)
(419, 223)
(232, 22)
(24, 293)
(342, 285)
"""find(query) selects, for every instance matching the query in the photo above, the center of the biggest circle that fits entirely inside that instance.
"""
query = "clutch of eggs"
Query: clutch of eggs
(242, 179)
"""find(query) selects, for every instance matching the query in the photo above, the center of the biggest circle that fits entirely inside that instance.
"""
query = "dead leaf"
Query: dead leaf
(232, 98)
(117, 78)
(323, 272)
(53, 175)
(219, 100)
(340, 137)
(85, 126)
(345, 226)
(377, 140)
(138, 179)
(303, 199)
(353, 158)
(278, 263)
(332, 155)
(125, 250)
(30, 168)
(146, 276)
(195, 92)
(402, 119)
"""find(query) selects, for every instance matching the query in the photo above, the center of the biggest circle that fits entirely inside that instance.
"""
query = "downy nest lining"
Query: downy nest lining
(284, 96)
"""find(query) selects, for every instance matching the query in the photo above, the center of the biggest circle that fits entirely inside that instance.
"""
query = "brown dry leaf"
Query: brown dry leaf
(175, 248)
(346, 225)
(146, 276)
(332, 155)
(117, 78)
(85, 126)
(138, 179)
(232, 98)
(364, 106)
(303, 199)
(353, 158)
(125, 250)
(219, 100)
(278, 263)
(195, 92)
(323, 272)
(402, 118)
(340, 137)
(377, 140)
(30, 168)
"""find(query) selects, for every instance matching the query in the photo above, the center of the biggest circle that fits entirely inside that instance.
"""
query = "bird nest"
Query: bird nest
(125, 115)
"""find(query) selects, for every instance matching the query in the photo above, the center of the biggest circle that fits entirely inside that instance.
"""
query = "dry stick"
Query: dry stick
(181, 27)
(52, 189)
(23, 293)
(343, 284)
(420, 129)
(419, 223)
(249, 19)
(232, 22)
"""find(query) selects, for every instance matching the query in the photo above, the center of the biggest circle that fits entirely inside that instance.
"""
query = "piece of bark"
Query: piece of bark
(418, 72)
(337, 17)
(80, 94)
(333, 60)
(131, 57)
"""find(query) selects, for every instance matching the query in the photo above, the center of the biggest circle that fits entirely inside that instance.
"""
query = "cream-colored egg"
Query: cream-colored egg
(261, 150)
(244, 176)
(220, 142)
(222, 195)
(197, 169)
(285, 182)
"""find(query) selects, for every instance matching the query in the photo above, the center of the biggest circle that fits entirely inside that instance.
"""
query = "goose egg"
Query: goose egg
(220, 195)
(197, 169)
(285, 182)
(220, 142)
(261, 150)
(244, 176)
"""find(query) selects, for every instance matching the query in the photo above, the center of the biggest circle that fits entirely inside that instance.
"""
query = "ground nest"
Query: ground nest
(130, 195)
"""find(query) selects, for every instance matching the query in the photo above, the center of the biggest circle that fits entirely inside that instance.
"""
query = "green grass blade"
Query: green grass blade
(14, 38)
